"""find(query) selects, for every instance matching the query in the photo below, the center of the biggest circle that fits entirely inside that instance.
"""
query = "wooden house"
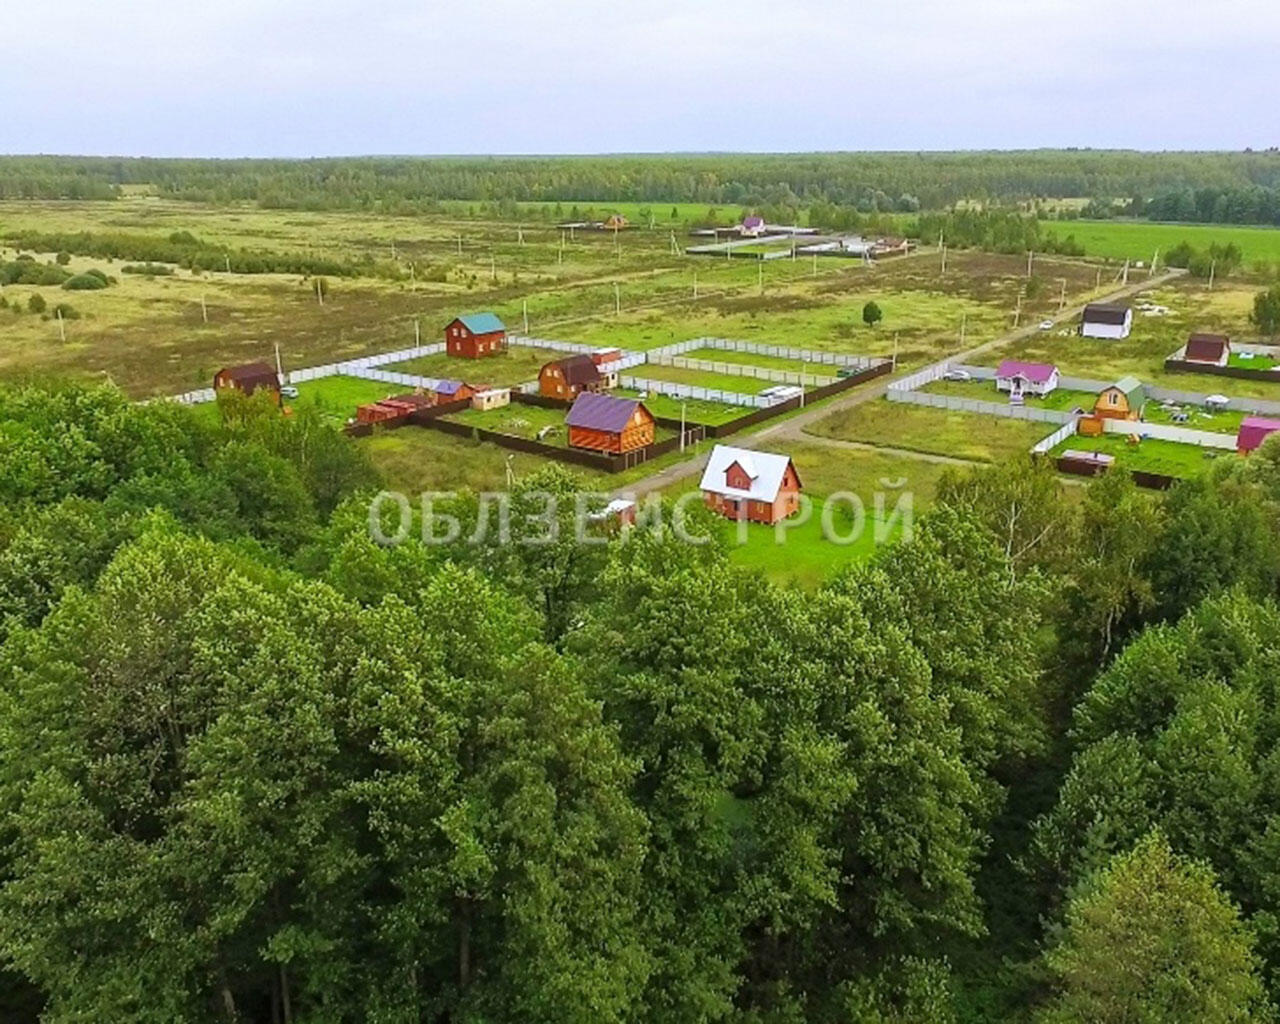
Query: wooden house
(451, 391)
(758, 486)
(247, 379)
(1122, 401)
(475, 336)
(614, 222)
(604, 423)
(1253, 431)
(1019, 378)
(569, 377)
(1208, 349)
(1106, 320)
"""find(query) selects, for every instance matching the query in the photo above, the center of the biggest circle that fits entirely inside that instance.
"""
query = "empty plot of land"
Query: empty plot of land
(694, 410)
(517, 365)
(1168, 458)
(935, 431)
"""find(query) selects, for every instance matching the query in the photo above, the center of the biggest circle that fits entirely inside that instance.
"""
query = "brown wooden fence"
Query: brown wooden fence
(1239, 372)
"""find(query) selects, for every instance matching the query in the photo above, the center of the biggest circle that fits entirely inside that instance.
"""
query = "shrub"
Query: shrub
(149, 269)
(66, 311)
(36, 304)
(86, 283)
(63, 258)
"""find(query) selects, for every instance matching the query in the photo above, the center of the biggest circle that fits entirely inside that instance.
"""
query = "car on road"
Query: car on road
(957, 375)
(1046, 325)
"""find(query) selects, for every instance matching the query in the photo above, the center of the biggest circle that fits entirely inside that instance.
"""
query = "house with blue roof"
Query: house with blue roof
(475, 335)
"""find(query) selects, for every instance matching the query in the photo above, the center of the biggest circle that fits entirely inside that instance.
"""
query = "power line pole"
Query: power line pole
(204, 309)
(1030, 259)
(617, 299)
(1062, 297)
(1213, 265)
(62, 325)
(525, 306)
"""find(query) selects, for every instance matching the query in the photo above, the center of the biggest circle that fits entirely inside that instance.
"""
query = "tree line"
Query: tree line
(870, 182)
(257, 767)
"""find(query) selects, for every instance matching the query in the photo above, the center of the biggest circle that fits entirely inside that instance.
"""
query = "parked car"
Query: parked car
(1046, 325)
(289, 391)
(957, 375)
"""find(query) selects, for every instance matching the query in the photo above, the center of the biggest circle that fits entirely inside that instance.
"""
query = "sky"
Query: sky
(295, 78)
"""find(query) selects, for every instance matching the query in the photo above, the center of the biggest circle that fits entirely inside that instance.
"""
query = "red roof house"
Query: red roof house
(603, 423)
(1211, 349)
(1253, 431)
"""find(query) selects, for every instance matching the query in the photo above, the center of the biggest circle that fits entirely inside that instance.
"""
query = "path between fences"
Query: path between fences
(793, 428)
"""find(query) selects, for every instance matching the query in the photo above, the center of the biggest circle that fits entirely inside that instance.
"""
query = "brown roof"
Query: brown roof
(1105, 313)
(250, 376)
(578, 370)
(1206, 348)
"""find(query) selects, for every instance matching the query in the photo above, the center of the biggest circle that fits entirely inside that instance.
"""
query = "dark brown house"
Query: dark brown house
(247, 379)
(569, 377)
(1213, 349)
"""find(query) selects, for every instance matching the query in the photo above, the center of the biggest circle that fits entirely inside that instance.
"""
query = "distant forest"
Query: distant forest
(1236, 187)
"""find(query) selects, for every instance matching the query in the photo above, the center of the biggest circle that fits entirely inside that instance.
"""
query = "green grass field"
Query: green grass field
(919, 428)
(1061, 399)
(716, 355)
(526, 421)
(1252, 361)
(1139, 240)
(1225, 422)
(702, 378)
(515, 366)
(695, 410)
(337, 397)
(1150, 455)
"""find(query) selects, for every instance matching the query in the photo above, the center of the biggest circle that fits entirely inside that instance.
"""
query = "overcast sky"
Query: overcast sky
(325, 77)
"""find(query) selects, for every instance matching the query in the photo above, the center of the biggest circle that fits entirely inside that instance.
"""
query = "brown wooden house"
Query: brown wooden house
(1210, 349)
(475, 336)
(247, 379)
(603, 423)
(569, 377)
(760, 487)
(1122, 401)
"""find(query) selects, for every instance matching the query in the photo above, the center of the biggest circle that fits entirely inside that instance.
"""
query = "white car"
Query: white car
(1046, 325)
(957, 375)
(289, 391)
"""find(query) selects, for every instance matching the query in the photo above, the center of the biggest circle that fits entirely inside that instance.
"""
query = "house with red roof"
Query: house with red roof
(1019, 378)
(604, 423)
(1253, 431)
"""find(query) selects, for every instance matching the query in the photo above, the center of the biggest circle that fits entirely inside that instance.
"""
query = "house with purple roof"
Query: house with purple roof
(605, 423)
(1019, 378)
(1253, 431)
(752, 225)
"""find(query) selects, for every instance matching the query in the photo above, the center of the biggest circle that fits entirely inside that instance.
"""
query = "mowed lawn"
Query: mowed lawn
(528, 421)
(702, 378)
(1060, 399)
(337, 397)
(695, 410)
(517, 365)
(1139, 240)
(1149, 455)
(766, 362)
(962, 435)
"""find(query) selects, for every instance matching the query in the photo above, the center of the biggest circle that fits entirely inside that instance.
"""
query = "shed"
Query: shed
(475, 335)
(1210, 349)
(1122, 401)
(1018, 378)
(1083, 463)
(615, 222)
(451, 391)
(492, 398)
(759, 486)
(604, 423)
(247, 378)
(1106, 320)
(568, 377)
(1253, 431)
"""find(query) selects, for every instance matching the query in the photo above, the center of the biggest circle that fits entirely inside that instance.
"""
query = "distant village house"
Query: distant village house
(569, 377)
(759, 486)
(1122, 401)
(1019, 378)
(1253, 431)
(1208, 349)
(475, 335)
(1106, 320)
(247, 379)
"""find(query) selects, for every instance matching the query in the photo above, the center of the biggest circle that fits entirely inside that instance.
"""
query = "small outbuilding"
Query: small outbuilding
(751, 226)
(1208, 349)
(247, 379)
(451, 391)
(1253, 431)
(475, 335)
(605, 423)
(614, 222)
(1122, 401)
(569, 377)
(1106, 320)
(759, 486)
(1019, 378)
(491, 398)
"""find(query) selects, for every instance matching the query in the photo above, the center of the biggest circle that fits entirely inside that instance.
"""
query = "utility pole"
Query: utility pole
(895, 350)
(1213, 265)
(417, 333)
(520, 235)
(62, 326)
(617, 299)
(695, 284)
(560, 253)
(1030, 259)
(1097, 284)
(204, 309)
(944, 259)
(1062, 296)
(226, 257)
(964, 321)
(760, 275)
(493, 268)
(815, 264)
(682, 407)
(319, 292)
(279, 366)
(1017, 311)
(526, 317)
(1126, 272)
(459, 243)
(1154, 260)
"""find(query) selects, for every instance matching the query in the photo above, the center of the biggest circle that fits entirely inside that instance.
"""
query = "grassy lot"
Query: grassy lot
(1254, 361)
(337, 397)
(1150, 455)
(1139, 240)
(1225, 422)
(717, 355)
(417, 459)
(515, 366)
(806, 556)
(1225, 310)
(695, 410)
(935, 431)
(526, 420)
(703, 378)
(1062, 399)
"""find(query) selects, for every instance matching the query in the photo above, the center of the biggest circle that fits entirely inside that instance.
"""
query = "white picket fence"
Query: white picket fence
(1047, 444)
(673, 390)
(740, 370)
(1172, 432)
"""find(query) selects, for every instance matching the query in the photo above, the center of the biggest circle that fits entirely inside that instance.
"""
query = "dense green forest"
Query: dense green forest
(867, 181)
(256, 767)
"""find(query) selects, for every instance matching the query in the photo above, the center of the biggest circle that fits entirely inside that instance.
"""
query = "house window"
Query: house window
(1115, 399)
